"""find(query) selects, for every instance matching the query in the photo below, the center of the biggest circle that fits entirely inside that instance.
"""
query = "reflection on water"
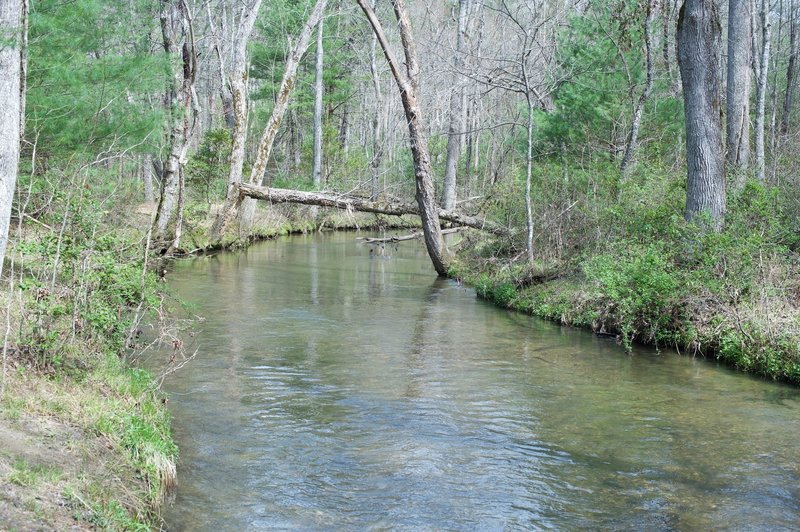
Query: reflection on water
(338, 389)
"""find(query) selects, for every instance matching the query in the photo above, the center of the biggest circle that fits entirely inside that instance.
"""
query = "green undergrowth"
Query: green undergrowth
(657, 280)
(78, 296)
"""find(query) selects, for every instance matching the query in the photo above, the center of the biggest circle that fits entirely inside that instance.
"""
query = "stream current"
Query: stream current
(341, 389)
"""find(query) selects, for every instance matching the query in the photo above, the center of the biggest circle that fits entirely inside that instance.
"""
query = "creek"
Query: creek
(337, 388)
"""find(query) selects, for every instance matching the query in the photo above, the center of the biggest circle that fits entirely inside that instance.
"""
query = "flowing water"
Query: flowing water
(337, 388)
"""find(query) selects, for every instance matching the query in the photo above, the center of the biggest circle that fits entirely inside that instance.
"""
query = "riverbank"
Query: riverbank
(85, 438)
(736, 302)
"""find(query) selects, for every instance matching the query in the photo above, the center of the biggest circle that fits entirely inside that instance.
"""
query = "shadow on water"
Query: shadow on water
(338, 389)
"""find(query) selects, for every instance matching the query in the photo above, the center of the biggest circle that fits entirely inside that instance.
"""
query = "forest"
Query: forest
(625, 166)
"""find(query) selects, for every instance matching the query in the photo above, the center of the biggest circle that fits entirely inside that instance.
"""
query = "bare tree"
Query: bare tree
(761, 89)
(698, 38)
(377, 141)
(178, 34)
(264, 150)
(318, 90)
(10, 111)
(633, 135)
(408, 84)
(738, 89)
(455, 132)
(791, 68)
(526, 71)
(238, 76)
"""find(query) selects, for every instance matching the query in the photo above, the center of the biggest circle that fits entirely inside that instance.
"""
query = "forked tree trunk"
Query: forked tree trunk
(175, 26)
(238, 77)
(698, 38)
(455, 131)
(264, 150)
(407, 83)
(10, 113)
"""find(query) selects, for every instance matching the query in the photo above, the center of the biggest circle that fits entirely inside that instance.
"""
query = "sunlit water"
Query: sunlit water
(339, 389)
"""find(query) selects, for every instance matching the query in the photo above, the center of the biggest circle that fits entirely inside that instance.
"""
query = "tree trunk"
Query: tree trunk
(225, 90)
(23, 66)
(455, 131)
(377, 141)
(738, 89)
(10, 112)
(147, 178)
(318, 90)
(408, 85)
(390, 208)
(698, 39)
(528, 176)
(169, 217)
(761, 90)
(633, 135)
(791, 71)
(238, 77)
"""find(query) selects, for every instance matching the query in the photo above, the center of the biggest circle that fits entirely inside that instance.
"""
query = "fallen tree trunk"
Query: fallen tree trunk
(280, 195)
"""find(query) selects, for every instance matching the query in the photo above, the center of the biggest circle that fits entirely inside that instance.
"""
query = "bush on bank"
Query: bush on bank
(657, 280)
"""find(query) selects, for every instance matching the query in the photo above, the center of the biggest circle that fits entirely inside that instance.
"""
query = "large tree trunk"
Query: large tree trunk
(633, 135)
(761, 91)
(698, 38)
(738, 89)
(318, 90)
(10, 112)
(271, 130)
(349, 203)
(176, 26)
(408, 85)
(455, 131)
(238, 76)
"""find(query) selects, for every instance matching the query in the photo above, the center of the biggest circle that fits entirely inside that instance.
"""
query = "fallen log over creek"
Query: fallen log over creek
(351, 203)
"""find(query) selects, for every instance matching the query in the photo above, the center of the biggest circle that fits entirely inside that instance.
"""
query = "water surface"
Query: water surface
(341, 389)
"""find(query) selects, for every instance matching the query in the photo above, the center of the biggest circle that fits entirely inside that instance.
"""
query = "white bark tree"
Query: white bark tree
(761, 89)
(178, 38)
(318, 91)
(738, 89)
(10, 111)
(238, 81)
(455, 132)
